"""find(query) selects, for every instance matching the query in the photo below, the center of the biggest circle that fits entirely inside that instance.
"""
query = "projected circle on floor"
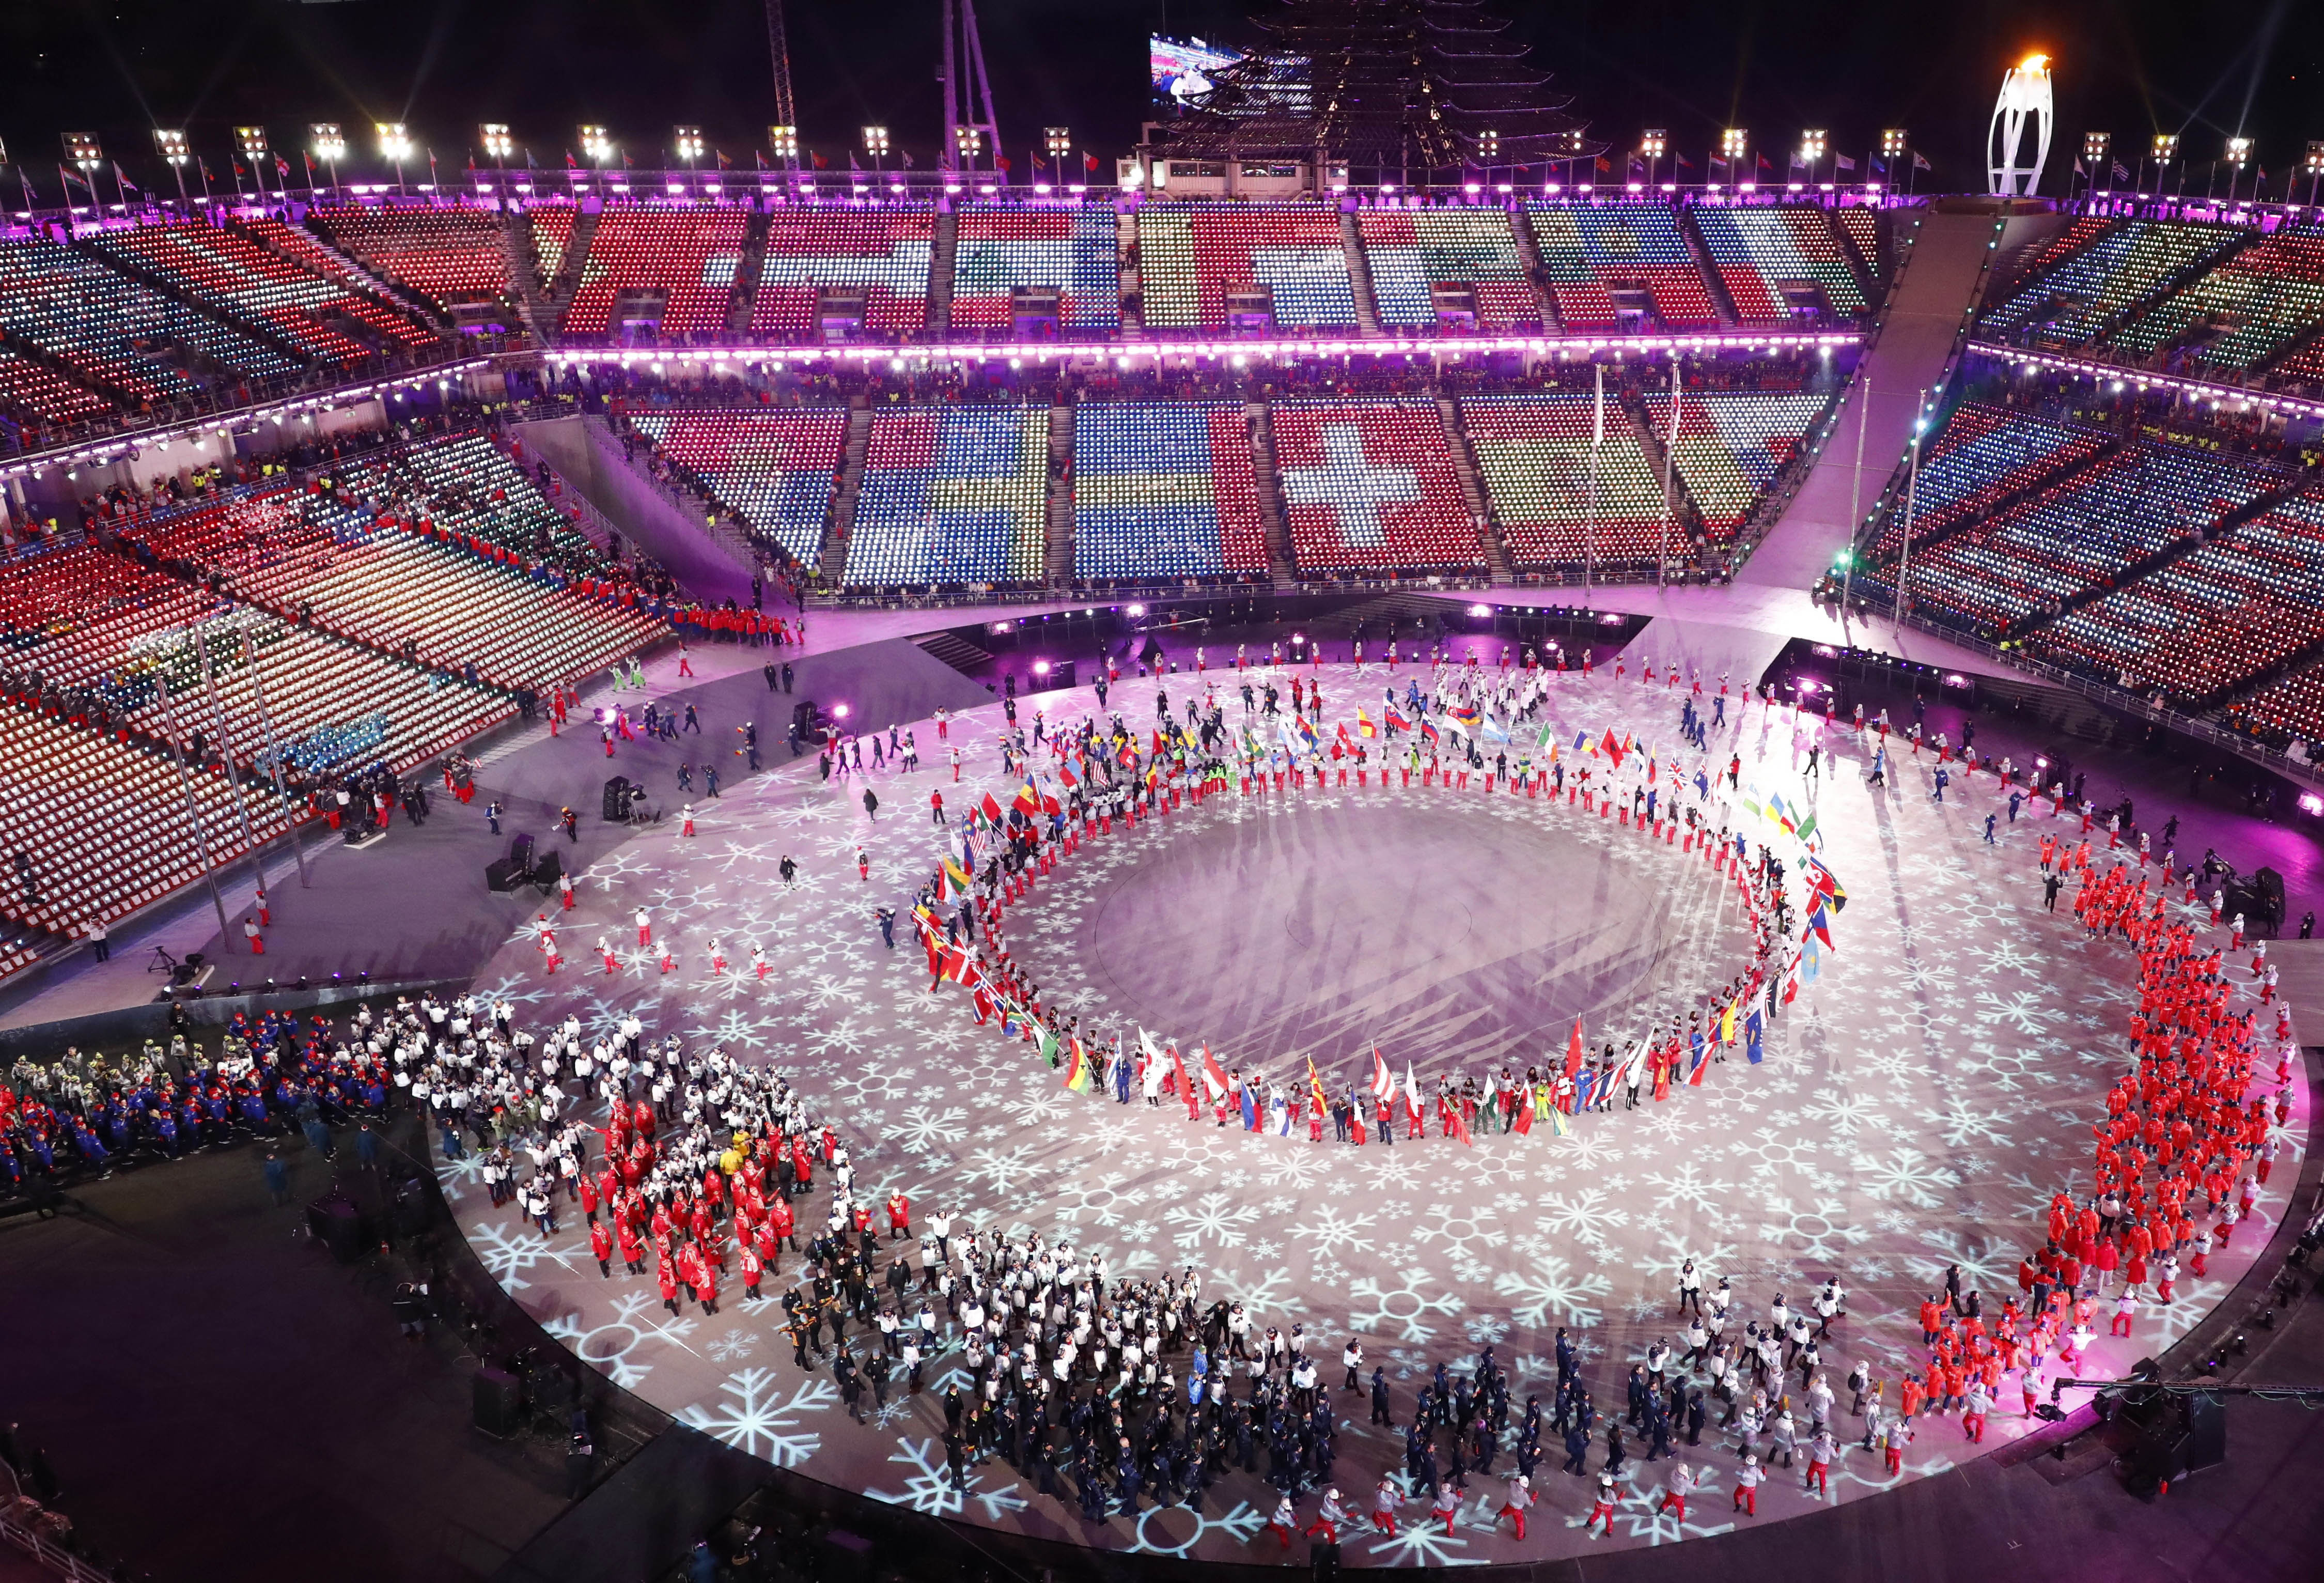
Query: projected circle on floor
(1916, 1109)
(1420, 919)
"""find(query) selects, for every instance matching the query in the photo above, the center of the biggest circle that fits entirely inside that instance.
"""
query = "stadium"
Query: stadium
(1374, 823)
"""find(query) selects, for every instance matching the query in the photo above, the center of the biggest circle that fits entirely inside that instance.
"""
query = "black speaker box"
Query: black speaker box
(334, 1221)
(520, 852)
(501, 874)
(618, 792)
(545, 872)
(497, 1403)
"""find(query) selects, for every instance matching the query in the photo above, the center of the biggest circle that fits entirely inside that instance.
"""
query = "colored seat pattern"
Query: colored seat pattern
(774, 465)
(1732, 444)
(115, 331)
(30, 392)
(1370, 487)
(884, 252)
(1982, 454)
(2073, 303)
(1590, 251)
(690, 256)
(1411, 251)
(1533, 456)
(1759, 252)
(447, 255)
(958, 495)
(999, 247)
(2259, 302)
(1190, 254)
(1164, 490)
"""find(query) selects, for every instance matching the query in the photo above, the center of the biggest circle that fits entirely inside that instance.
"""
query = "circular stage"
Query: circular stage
(1917, 1106)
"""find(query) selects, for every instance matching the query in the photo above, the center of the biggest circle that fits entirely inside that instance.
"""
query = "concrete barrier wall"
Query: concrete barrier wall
(590, 458)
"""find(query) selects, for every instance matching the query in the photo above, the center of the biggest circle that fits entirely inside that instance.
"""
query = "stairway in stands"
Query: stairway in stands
(1650, 442)
(1712, 281)
(1271, 517)
(560, 294)
(1536, 271)
(524, 275)
(842, 502)
(1360, 274)
(940, 252)
(1132, 279)
(1057, 552)
(1472, 491)
(747, 271)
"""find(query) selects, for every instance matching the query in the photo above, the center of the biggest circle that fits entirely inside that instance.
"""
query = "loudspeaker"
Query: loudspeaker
(334, 1221)
(618, 792)
(503, 875)
(497, 1403)
(520, 853)
(545, 872)
(2206, 1432)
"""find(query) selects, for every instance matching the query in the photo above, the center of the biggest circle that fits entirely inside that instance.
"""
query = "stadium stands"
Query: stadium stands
(447, 255)
(320, 316)
(2293, 705)
(32, 392)
(1076, 252)
(1588, 252)
(115, 331)
(467, 485)
(1732, 445)
(673, 269)
(552, 233)
(1759, 252)
(1861, 227)
(1370, 487)
(1412, 251)
(1982, 454)
(884, 253)
(1164, 490)
(2246, 309)
(774, 465)
(2217, 618)
(2072, 302)
(1190, 255)
(1533, 454)
(2082, 536)
(955, 494)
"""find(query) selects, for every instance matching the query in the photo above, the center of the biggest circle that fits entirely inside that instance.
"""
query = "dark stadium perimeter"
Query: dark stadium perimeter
(220, 1398)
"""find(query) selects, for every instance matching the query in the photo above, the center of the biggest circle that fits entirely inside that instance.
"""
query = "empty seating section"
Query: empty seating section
(552, 232)
(70, 612)
(2074, 301)
(1590, 251)
(2305, 366)
(1982, 454)
(1075, 252)
(1759, 252)
(1731, 444)
(1533, 454)
(2082, 534)
(2212, 620)
(1164, 490)
(776, 467)
(32, 392)
(1370, 487)
(1862, 228)
(681, 264)
(468, 484)
(958, 495)
(447, 255)
(115, 331)
(2246, 309)
(1410, 251)
(2294, 704)
(321, 316)
(883, 252)
(1191, 255)
(2084, 230)
(104, 823)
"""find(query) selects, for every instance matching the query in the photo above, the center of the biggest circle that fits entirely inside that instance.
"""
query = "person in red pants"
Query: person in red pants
(1747, 1486)
(1328, 1518)
(1385, 1501)
(1603, 1509)
(1521, 1496)
(250, 932)
(1682, 1481)
(2125, 1307)
(1284, 1521)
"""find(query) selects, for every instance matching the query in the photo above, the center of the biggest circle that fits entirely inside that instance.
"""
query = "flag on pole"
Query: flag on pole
(1824, 883)
(1612, 748)
(1049, 1045)
(1383, 1080)
(1558, 1123)
(1752, 1029)
(1428, 731)
(1411, 1090)
(1364, 726)
(990, 808)
(1820, 924)
(1315, 1088)
(1525, 1110)
(1249, 1109)
(1078, 1076)
(1395, 717)
(1574, 1049)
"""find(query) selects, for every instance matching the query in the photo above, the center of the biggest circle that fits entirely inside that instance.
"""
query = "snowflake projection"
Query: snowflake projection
(1151, 1536)
(1003, 1173)
(924, 1130)
(733, 1347)
(929, 1487)
(2021, 1010)
(1330, 1231)
(1909, 1175)
(1550, 1291)
(753, 1415)
(1402, 1307)
(512, 1252)
(1811, 1234)
(1216, 1219)
(1421, 1544)
(612, 1344)
(1686, 1186)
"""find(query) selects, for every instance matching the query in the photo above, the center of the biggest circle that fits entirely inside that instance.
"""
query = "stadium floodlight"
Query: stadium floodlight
(598, 145)
(395, 146)
(2312, 167)
(173, 148)
(782, 141)
(2166, 146)
(875, 144)
(1894, 142)
(83, 150)
(1654, 143)
(1734, 142)
(1059, 141)
(2238, 154)
(498, 143)
(688, 142)
(1812, 145)
(1488, 147)
(970, 140)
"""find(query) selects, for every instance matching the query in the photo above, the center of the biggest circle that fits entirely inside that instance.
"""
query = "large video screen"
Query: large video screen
(1181, 68)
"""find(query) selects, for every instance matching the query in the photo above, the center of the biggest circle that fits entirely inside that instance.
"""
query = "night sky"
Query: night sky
(2131, 67)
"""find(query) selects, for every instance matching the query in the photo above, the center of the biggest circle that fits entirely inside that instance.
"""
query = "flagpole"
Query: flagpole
(1670, 448)
(1590, 524)
(1855, 500)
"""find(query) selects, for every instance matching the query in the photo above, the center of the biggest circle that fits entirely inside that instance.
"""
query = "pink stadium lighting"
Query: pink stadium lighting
(839, 712)
(1133, 609)
(1480, 609)
(1040, 667)
(2310, 804)
(1808, 684)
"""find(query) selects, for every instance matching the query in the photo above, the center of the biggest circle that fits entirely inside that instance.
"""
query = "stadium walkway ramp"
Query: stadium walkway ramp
(1942, 279)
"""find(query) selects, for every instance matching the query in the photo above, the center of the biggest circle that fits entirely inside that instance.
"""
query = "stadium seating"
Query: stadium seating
(2072, 302)
(103, 823)
(1074, 251)
(2294, 705)
(1862, 228)
(1589, 251)
(685, 257)
(1760, 251)
(71, 611)
(447, 255)
(467, 485)
(953, 494)
(115, 331)
(1164, 490)
(884, 252)
(1370, 487)
(2082, 534)
(774, 465)
(1533, 454)
(1981, 454)
(32, 392)
(1410, 251)
(321, 316)
(2213, 620)
(1190, 254)
(1732, 445)
(552, 233)
(2245, 310)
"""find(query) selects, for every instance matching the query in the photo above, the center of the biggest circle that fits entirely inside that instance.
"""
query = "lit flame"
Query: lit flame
(2034, 63)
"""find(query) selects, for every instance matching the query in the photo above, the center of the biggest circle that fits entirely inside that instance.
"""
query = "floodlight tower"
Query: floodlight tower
(2024, 96)
(172, 146)
(968, 118)
(778, 51)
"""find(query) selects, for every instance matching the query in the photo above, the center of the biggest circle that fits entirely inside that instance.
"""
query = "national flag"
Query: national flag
(1428, 731)
(1581, 742)
(1078, 1076)
(1844, 162)
(1820, 924)
(1574, 1049)
(1364, 726)
(955, 874)
(1315, 1088)
(1826, 883)
(1411, 1089)
(1356, 1121)
(1396, 720)
(1178, 1071)
(1146, 1047)
(1028, 800)
(1810, 962)
(1066, 774)
(1752, 1029)
(1008, 1020)
(1493, 730)
(1383, 1079)
(1213, 1079)
(1461, 1126)
(1806, 832)
(1306, 733)
(991, 809)
(1612, 748)
(1558, 1122)
(1463, 716)
(1525, 1110)
(1250, 1109)
(1049, 1046)
(1920, 163)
